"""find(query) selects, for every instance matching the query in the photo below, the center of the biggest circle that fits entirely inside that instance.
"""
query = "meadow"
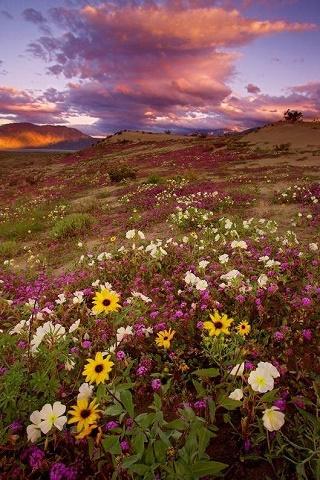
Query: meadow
(160, 311)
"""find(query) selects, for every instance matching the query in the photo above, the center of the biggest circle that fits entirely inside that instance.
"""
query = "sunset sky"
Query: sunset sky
(156, 64)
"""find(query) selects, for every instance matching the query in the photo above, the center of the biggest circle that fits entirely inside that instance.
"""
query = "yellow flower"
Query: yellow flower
(243, 328)
(84, 414)
(164, 338)
(105, 301)
(113, 239)
(97, 370)
(219, 323)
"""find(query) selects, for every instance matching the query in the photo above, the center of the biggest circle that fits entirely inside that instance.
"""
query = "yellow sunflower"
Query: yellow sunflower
(164, 338)
(105, 301)
(219, 323)
(97, 370)
(84, 415)
(243, 328)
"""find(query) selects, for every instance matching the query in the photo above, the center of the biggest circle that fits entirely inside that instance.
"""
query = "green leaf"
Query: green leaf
(111, 444)
(138, 443)
(128, 461)
(229, 403)
(140, 469)
(204, 436)
(199, 388)
(269, 396)
(157, 401)
(206, 372)
(160, 449)
(200, 469)
(126, 399)
(176, 425)
(145, 419)
(114, 410)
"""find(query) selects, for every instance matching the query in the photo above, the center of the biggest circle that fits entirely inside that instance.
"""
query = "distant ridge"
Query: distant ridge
(28, 135)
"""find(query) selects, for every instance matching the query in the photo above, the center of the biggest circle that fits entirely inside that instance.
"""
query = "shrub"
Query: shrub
(72, 225)
(21, 229)
(8, 249)
(155, 179)
(121, 171)
(292, 116)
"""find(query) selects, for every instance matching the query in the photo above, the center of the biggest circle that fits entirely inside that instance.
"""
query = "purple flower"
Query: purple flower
(3, 370)
(120, 355)
(280, 404)
(248, 365)
(240, 298)
(307, 334)
(15, 426)
(200, 325)
(200, 404)
(35, 457)
(125, 447)
(178, 314)
(278, 336)
(22, 344)
(156, 384)
(247, 445)
(59, 471)
(306, 302)
(111, 425)
(86, 344)
(141, 371)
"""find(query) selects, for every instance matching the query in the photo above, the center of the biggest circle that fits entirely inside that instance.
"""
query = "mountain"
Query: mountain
(28, 135)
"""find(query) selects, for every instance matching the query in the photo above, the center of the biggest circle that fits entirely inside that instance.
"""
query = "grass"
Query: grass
(72, 225)
(8, 249)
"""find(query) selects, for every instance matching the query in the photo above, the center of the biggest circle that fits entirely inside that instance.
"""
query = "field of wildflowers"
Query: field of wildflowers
(174, 334)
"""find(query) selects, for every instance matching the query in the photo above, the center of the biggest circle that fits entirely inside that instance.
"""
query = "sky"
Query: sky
(183, 65)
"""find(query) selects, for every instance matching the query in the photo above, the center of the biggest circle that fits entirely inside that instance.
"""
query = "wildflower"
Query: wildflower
(224, 258)
(262, 280)
(120, 355)
(239, 244)
(105, 301)
(61, 299)
(260, 380)
(237, 370)
(74, 326)
(200, 404)
(124, 332)
(77, 297)
(85, 391)
(203, 264)
(97, 370)
(33, 430)
(278, 336)
(164, 338)
(271, 369)
(36, 457)
(243, 328)
(237, 394)
(84, 414)
(273, 419)
(313, 247)
(125, 447)
(280, 404)
(52, 416)
(218, 324)
(86, 344)
(307, 334)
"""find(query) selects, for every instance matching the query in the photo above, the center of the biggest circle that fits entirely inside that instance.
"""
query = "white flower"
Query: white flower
(224, 258)
(130, 234)
(228, 224)
(74, 326)
(52, 416)
(273, 419)
(80, 244)
(313, 247)
(231, 275)
(33, 430)
(141, 235)
(95, 283)
(203, 264)
(20, 326)
(141, 296)
(190, 278)
(260, 380)
(237, 394)
(262, 280)
(239, 244)
(123, 332)
(85, 391)
(77, 297)
(69, 364)
(270, 369)
(104, 256)
(237, 370)
(201, 285)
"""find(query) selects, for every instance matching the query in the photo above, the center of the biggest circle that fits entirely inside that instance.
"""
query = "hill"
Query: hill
(301, 135)
(29, 135)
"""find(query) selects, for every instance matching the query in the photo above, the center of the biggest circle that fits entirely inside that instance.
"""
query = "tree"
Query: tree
(292, 115)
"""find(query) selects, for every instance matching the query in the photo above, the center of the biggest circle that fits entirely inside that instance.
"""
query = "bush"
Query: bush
(155, 179)
(8, 249)
(72, 225)
(121, 171)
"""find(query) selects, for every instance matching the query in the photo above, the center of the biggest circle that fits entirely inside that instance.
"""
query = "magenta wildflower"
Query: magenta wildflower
(156, 384)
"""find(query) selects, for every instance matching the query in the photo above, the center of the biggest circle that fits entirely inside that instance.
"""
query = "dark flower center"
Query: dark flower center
(85, 413)
(165, 337)
(106, 302)
(218, 325)
(243, 327)
(98, 368)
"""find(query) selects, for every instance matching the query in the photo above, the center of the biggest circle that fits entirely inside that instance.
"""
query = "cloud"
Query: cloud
(34, 16)
(253, 88)
(24, 106)
(6, 14)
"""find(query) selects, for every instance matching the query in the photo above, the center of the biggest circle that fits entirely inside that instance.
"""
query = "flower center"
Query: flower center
(106, 302)
(218, 325)
(165, 337)
(85, 413)
(98, 368)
